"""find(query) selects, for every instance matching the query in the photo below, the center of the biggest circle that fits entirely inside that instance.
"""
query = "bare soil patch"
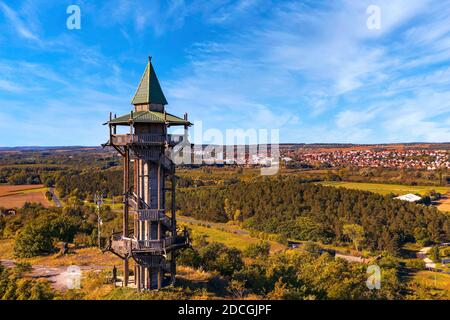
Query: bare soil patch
(16, 196)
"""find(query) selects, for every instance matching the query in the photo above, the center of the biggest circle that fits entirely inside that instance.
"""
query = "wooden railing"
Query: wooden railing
(149, 138)
(125, 139)
(126, 244)
(156, 244)
(121, 139)
(150, 214)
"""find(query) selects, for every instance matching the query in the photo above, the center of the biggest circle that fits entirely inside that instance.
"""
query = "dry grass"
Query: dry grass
(6, 249)
(16, 196)
(433, 279)
(192, 274)
(444, 203)
(81, 257)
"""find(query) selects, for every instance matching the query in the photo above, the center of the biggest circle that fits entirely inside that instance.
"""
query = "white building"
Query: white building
(409, 197)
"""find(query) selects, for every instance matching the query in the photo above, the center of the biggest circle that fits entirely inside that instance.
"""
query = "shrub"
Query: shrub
(189, 257)
(218, 257)
(417, 264)
(312, 247)
(258, 250)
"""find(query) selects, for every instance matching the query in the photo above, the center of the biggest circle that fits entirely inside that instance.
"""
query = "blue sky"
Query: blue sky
(312, 69)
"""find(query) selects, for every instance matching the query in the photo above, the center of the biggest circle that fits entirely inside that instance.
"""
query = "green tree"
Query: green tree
(434, 254)
(216, 256)
(422, 236)
(228, 209)
(35, 239)
(258, 250)
(356, 234)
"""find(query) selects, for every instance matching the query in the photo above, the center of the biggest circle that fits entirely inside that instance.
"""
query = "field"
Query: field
(16, 196)
(440, 281)
(231, 236)
(444, 204)
(385, 189)
(6, 249)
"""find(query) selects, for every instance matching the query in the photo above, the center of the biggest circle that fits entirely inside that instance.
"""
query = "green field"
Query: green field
(384, 188)
(435, 280)
(239, 241)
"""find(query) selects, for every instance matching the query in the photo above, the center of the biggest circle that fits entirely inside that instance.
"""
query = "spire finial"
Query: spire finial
(149, 59)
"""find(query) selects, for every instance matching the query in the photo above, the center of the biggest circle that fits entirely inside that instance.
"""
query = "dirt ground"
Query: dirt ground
(16, 196)
(444, 203)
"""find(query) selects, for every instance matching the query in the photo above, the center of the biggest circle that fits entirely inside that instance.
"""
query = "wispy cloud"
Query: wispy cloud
(322, 65)
(17, 23)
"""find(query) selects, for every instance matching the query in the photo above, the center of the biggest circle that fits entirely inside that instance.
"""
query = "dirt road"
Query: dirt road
(55, 197)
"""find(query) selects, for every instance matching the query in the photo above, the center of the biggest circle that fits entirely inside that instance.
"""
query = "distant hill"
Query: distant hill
(283, 147)
(54, 148)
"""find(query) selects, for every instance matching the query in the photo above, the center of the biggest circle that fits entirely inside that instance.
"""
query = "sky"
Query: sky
(318, 71)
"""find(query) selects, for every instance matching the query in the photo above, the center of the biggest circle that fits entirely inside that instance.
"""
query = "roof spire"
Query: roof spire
(149, 90)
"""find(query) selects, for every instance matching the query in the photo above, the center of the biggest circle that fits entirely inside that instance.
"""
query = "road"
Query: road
(55, 197)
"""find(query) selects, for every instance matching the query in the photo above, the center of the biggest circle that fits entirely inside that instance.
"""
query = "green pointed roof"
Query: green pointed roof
(149, 89)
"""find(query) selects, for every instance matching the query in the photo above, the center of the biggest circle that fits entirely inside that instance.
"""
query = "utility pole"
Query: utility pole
(98, 200)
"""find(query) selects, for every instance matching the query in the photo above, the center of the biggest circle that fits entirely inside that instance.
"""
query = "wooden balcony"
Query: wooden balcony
(153, 215)
(139, 139)
(153, 261)
(146, 139)
(126, 247)
(162, 245)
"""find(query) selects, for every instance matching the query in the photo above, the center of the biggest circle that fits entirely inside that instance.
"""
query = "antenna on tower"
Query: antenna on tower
(98, 200)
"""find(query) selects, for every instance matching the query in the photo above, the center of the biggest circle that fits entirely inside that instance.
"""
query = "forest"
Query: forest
(307, 211)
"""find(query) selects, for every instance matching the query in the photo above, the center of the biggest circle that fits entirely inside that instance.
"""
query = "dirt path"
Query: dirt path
(61, 277)
(55, 197)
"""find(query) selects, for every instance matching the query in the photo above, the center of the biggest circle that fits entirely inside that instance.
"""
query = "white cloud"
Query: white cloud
(16, 22)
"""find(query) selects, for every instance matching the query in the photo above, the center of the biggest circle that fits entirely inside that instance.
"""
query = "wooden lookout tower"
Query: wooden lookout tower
(150, 237)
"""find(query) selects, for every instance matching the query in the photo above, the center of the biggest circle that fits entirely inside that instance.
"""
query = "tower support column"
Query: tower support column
(126, 183)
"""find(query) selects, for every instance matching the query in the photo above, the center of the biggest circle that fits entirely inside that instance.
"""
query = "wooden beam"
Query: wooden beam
(173, 267)
(126, 186)
(159, 278)
(126, 182)
(159, 196)
(122, 153)
(174, 223)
